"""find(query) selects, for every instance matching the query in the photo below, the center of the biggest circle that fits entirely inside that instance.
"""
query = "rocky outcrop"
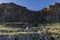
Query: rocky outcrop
(29, 37)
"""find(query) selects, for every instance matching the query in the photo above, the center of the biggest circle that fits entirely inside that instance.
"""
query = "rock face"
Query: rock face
(10, 12)
(29, 37)
(51, 13)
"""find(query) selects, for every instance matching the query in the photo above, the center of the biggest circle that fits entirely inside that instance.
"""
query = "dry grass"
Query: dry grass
(54, 28)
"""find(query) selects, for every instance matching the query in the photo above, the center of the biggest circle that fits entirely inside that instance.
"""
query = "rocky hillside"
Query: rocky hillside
(51, 13)
(10, 12)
